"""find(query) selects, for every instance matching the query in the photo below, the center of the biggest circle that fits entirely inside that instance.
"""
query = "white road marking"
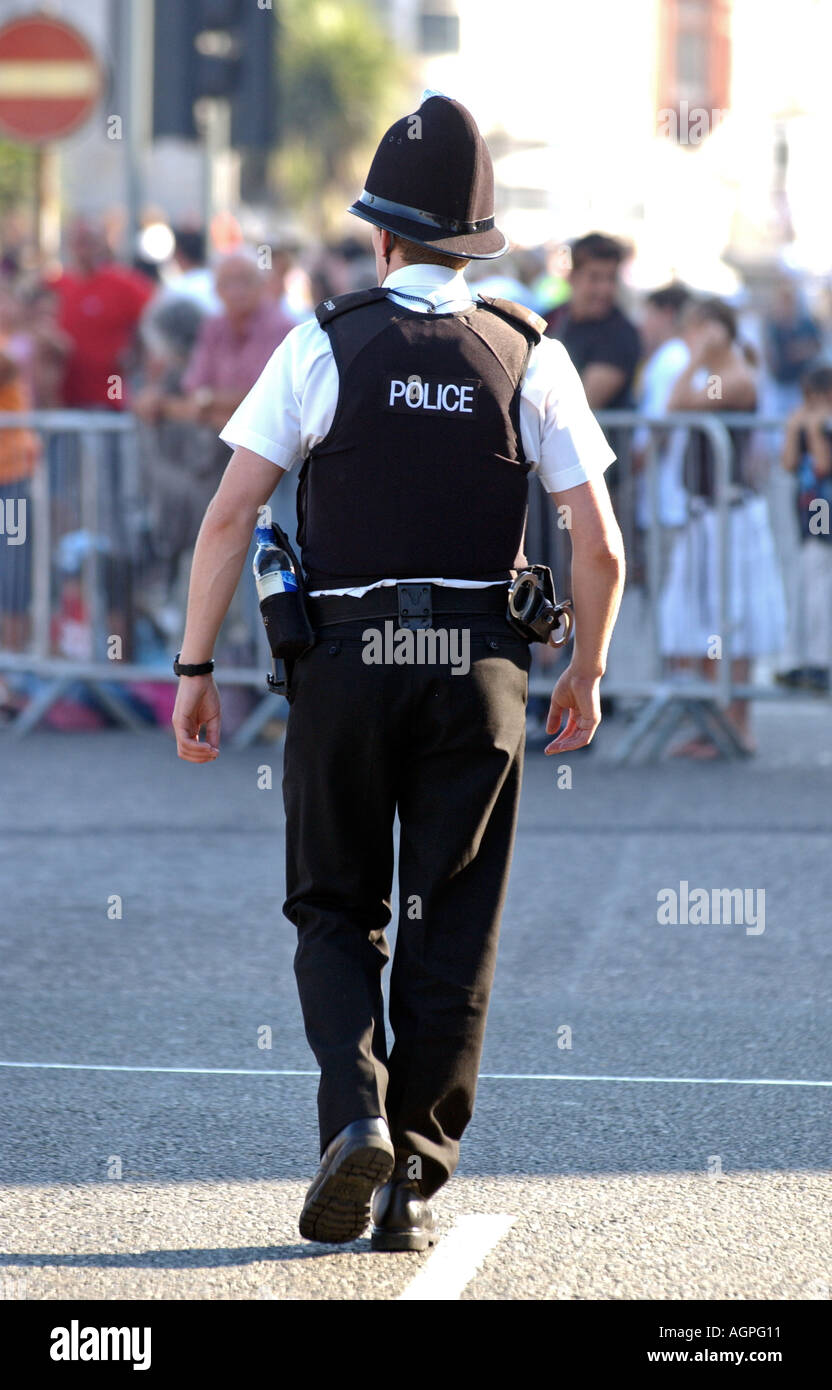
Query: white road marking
(180, 1071)
(662, 1080)
(457, 1258)
(484, 1076)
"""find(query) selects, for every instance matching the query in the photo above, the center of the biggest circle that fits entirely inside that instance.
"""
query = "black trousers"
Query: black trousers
(445, 750)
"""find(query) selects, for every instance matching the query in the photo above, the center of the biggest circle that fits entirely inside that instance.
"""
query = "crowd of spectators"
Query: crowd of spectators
(178, 346)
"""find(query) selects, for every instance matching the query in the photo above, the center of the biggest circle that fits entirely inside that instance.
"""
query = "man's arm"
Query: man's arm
(791, 443)
(215, 408)
(597, 582)
(614, 365)
(221, 548)
(820, 445)
(602, 383)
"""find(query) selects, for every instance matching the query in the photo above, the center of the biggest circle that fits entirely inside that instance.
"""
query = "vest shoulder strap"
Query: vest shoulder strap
(516, 313)
(330, 309)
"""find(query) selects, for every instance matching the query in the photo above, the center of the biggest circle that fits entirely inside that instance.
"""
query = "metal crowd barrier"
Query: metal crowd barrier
(91, 604)
(96, 603)
(659, 692)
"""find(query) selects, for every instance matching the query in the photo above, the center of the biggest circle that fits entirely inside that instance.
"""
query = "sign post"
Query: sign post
(50, 82)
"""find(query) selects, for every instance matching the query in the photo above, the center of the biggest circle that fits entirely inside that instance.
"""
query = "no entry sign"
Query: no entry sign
(50, 79)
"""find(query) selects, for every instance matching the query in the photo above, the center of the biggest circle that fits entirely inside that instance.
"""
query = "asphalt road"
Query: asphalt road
(580, 1177)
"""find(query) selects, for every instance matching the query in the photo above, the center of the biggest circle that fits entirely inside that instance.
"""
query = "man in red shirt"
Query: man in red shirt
(100, 303)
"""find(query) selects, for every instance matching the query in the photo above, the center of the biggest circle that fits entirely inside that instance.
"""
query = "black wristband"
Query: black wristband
(203, 669)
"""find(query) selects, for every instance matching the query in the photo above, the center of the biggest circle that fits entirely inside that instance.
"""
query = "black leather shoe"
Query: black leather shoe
(402, 1218)
(337, 1205)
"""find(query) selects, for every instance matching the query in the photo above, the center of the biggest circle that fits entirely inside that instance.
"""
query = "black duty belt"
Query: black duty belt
(415, 605)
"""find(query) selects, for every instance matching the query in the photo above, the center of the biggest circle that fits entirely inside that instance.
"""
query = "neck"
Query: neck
(239, 322)
(580, 315)
(395, 263)
(429, 266)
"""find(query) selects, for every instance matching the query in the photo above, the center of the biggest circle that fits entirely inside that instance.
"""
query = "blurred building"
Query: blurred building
(698, 129)
(693, 127)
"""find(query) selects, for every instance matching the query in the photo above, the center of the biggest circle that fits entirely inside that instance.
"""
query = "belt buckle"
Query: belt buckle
(415, 605)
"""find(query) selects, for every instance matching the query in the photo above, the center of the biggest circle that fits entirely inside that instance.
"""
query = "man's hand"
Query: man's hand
(219, 555)
(197, 703)
(579, 697)
(147, 404)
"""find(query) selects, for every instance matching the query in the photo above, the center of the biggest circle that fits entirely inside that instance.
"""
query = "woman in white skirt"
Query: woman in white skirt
(719, 378)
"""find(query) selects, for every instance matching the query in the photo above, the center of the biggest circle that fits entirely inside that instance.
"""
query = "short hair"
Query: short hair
(674, 297)
(177, 320)
(817, 381)
(413, 254)
(190, 244)
(596, 247)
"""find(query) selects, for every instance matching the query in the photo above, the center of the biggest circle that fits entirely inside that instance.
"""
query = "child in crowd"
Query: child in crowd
(807, 452)
(691, 604)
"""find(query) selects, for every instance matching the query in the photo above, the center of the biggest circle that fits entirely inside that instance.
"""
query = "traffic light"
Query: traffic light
(254, 105)
(218, 46)
(174, 69)
(219, 49)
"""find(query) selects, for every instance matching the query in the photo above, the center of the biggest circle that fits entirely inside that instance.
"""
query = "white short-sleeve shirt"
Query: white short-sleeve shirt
(290, 408)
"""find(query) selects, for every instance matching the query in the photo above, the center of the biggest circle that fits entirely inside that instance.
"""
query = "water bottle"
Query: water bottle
(281, 602)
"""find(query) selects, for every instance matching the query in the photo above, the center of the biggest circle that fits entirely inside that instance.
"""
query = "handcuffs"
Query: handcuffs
(533, 609)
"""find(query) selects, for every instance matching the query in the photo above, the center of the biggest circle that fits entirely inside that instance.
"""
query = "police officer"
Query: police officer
(418, 412)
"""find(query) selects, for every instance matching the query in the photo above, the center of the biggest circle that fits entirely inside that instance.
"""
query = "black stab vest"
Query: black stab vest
(422, 472)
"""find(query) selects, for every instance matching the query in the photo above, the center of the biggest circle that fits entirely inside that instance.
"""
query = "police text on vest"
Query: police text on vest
(431, 397)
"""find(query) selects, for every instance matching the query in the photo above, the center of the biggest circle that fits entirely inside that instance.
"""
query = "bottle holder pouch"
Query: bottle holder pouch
(286, 621)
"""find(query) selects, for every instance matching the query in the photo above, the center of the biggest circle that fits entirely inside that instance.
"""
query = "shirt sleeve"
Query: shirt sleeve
(658, 379)
(560, 433)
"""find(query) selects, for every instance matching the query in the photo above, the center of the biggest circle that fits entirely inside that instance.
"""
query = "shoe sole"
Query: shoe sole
(402, 1240)
(339, 1209)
